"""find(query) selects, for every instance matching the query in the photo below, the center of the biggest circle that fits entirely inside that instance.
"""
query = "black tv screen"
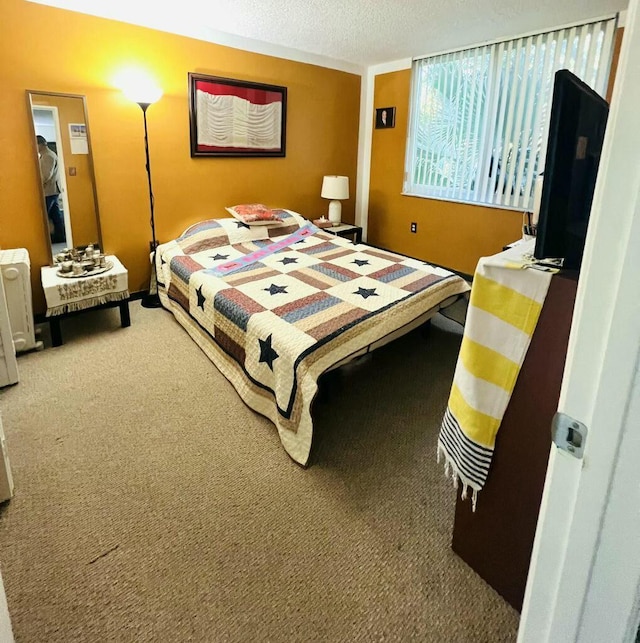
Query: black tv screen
(576, 132)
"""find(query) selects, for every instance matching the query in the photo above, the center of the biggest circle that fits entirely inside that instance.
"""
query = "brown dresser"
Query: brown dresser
(496, 540)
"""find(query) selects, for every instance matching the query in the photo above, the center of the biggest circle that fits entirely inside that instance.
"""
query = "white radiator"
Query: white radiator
(8, 362)
(16, 277)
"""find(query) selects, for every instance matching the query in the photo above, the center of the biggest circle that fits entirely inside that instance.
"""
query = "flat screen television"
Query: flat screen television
(576, 132)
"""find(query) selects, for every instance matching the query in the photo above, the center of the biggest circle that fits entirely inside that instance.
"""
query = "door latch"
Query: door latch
(568, 434)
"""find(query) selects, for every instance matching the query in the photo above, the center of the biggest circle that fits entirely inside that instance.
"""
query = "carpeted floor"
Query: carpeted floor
(152, 505)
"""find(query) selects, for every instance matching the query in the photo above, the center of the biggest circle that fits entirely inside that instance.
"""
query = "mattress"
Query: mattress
(275, 307)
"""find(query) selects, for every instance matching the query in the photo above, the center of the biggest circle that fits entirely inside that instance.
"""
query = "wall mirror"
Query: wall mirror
(67, 185)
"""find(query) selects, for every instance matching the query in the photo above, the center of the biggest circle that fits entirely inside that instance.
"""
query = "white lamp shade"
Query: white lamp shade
(138, 86)
(146, 95)
(335, 187)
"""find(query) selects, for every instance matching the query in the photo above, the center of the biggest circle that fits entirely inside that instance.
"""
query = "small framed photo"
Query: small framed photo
(385, 117)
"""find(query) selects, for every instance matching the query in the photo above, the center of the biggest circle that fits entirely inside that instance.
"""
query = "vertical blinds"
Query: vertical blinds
(480, 116)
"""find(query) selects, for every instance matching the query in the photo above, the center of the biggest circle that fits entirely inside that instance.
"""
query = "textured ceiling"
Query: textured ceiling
(360, 32)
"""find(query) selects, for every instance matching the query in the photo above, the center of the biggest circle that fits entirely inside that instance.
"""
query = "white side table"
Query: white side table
(67, 296)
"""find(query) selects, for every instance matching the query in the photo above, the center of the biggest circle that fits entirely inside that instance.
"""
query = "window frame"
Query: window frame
(487, 128)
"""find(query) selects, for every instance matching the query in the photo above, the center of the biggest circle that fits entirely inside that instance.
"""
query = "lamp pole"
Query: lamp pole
(150, 300)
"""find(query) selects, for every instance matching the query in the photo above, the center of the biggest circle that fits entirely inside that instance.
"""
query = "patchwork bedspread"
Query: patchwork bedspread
(275, 307)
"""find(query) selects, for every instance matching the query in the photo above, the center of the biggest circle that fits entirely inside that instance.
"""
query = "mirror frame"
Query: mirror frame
(45, 221)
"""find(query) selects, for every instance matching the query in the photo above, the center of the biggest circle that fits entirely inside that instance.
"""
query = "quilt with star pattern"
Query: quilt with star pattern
(275, 307)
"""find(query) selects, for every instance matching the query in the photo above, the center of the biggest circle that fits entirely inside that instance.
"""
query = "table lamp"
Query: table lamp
(335, 188)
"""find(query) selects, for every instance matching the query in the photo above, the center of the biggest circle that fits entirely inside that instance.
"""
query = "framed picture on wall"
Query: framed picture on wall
(385, 117)
(236, 118)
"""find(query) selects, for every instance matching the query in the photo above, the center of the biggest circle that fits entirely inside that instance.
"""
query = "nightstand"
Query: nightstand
(346, 230)
(67, 296)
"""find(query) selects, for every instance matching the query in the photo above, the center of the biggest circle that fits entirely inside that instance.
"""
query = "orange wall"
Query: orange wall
(614, 62)
(83, 55)
(451, 234)
(79, 186)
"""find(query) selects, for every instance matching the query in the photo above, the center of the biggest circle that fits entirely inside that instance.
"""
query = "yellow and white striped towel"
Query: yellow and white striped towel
(504, 307)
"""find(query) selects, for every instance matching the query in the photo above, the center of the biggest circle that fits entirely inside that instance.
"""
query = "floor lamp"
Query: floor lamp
(145, 95)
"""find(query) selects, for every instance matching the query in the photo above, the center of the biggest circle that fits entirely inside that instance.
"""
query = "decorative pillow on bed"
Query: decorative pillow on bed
(254, 214)
(214, 233)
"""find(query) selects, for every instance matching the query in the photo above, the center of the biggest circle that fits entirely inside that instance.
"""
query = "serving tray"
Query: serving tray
(86, 273)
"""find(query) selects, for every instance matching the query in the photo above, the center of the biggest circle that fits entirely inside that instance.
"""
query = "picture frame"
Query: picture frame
(229, 117)
(385, 117)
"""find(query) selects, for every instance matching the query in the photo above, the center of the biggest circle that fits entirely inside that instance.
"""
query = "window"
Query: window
(480, 116)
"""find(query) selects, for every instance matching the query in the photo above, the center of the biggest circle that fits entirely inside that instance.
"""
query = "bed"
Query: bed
(275, 307)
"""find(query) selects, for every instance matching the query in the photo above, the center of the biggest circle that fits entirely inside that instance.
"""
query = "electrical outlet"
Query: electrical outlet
(414, 226)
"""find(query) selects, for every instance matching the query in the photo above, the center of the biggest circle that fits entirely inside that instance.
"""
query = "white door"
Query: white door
(6, 633)
(585, 568)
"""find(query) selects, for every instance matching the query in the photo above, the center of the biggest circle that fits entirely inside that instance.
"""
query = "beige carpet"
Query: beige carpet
(152, 505)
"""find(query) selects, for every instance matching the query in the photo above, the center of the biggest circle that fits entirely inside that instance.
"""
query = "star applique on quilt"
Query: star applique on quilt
(365, 293)
(288, 260)
(219, 257)
(274, 290)
(361, 262)
(201, 298)
(240, 224)
(267, 354)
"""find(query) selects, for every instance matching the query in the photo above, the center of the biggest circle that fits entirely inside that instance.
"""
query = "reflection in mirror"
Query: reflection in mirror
(67, 182)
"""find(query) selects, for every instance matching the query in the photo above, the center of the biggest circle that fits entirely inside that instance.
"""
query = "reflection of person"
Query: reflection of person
(49, 175)
(383, 118)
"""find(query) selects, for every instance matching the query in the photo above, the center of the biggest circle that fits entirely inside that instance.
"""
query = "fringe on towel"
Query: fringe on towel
(90, 302)
(451, 470)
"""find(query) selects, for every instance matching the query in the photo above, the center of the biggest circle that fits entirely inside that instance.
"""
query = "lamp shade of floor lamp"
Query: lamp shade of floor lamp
(145, 94)
(335, 188)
